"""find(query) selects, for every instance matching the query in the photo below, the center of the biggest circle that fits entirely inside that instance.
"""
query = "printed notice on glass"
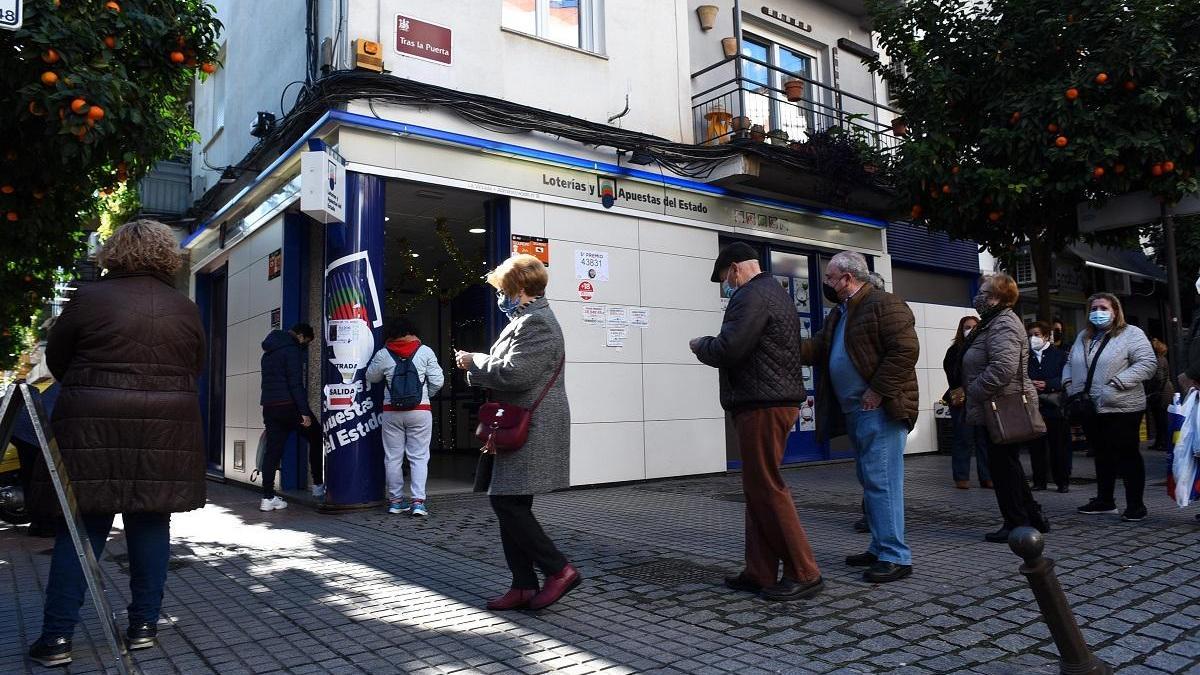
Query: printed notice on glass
(616, 336)
(617, 316)
(591, 265)
(639, 317)
(593, 315)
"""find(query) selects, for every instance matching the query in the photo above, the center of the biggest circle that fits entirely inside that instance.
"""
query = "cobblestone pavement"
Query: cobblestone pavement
(295, 591)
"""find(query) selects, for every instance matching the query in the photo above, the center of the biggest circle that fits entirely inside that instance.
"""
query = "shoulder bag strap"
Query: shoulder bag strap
(1087, 387)
(546, 389)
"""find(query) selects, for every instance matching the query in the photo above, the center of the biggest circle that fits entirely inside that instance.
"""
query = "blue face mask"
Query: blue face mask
(727, 290)
(506, 304)
(1100, 318)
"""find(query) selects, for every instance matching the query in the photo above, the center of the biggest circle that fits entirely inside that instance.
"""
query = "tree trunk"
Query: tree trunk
(1040, 253)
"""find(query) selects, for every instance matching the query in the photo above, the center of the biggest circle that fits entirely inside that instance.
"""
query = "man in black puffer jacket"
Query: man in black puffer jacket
(285, 409)
(762, 384)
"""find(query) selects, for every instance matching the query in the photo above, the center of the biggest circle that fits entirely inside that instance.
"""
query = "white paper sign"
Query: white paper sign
(616, 336)
(341, 396)
(617, 316)
(591, 265)
(639, 316)
(593, 315)
(808, 415)
(323, 185)
(10, 14)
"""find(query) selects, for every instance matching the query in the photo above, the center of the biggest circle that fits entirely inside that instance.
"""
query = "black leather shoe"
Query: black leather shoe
(1039, 521)
(861, 525)
(882, 572)
(790, 589)
(51, 651)
(142, 635)
(1064, 489)
(861, 559)
(741, 583)
(999, 536)
(1038, 487)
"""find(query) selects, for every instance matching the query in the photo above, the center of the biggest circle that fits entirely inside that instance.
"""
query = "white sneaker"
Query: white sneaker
(318, 491)
(273, 504)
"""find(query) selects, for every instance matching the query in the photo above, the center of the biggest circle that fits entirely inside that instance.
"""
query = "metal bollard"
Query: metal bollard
(1075, 658)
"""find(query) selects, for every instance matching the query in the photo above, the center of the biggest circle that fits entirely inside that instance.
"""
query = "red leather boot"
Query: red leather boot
(515, 598)
(555, 587)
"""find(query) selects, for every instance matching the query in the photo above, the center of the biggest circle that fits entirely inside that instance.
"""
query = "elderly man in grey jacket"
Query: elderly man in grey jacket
(1124, 360)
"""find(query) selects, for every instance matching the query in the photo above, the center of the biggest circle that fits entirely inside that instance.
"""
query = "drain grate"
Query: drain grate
(671, 572)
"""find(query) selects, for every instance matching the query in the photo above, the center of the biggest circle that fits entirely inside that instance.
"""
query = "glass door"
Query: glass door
(793, 272)
(764, 97)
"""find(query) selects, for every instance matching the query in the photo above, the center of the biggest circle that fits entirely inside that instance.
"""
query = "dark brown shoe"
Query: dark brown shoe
(743, 583)
(790, 589)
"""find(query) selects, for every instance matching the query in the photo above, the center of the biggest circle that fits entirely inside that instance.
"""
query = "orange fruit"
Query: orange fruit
(178, 57)
(35, 109)
(994, 216)
(1016, 117)
(113, 6)
(1119, 168)
(50, 56)
(1130, 85)
(79, 106)
(38, 194)
(49, 78)
(95, 113)
(110, 42)
(1072, 94)
(917, 211)
(1061, 141)
(1052, 128)
(209, 68)
(945, 189)
(1102, 78)
(12, 218)
(180, 41)
(1156, 170)
(1098, 172)
(7, 189)
(954, 170)
(1168, 166)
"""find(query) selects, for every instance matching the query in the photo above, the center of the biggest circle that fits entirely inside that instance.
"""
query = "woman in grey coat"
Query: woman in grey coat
(995, 363)
(525, 361)
(1124, 360)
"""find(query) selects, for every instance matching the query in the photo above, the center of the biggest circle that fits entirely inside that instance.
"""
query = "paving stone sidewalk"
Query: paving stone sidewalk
(298, 592)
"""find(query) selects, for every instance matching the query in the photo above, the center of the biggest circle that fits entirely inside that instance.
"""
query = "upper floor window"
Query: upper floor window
(574, 23)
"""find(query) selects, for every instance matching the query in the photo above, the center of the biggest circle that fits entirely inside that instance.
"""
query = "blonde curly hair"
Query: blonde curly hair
(141, 246)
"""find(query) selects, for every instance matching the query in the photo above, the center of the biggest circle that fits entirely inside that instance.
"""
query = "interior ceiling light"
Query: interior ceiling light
(416, 255)
(387, 219)
(430, 194)
(430, 279)
(477, 230)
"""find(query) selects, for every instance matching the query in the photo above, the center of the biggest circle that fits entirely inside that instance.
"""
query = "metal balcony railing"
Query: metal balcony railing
(741, 94)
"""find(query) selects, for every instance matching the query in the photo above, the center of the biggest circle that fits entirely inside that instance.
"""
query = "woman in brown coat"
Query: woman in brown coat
(995, 363)
(127, 350)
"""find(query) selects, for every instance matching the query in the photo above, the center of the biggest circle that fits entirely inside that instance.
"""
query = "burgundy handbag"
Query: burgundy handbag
(504, 427)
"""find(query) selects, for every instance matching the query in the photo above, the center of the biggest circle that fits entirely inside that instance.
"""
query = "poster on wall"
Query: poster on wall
(538, 247)
(352, 308)
(593, 315)
(617, 316)
(591, 265)
(276, 318)
(615, 336)
(341, 396)
(275, 264)
(639, 317)
(808, 415)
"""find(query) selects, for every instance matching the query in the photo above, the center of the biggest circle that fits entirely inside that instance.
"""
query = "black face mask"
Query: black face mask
(830, 293)
(1056, 336)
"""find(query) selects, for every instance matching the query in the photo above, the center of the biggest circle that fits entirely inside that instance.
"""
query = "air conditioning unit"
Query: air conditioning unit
(1117, 283)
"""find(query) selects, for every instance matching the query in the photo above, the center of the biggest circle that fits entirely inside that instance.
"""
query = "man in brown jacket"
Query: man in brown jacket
(866, 356)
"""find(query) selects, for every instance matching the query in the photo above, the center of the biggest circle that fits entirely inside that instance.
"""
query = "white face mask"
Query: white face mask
(967, 330)
(1036, 343)
(1198, 285)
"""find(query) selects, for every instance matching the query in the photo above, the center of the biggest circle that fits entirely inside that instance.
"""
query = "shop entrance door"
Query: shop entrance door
(212, 296)
(439, 243)
(794, 272)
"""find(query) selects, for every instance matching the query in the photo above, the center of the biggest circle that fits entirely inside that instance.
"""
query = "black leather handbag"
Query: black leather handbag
(1080, 406)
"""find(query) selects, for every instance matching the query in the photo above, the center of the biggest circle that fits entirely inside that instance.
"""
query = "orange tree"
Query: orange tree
(94, 93)
(1021, 109)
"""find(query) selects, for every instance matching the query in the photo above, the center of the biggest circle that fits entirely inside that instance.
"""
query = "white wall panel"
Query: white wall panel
(604, 392)
(238, 308)
(679, 282)
(587, 343)
(684, 447)
(529, 218)
(678, 240)
(681, 392)
(605, 453)
(622, 287)
(235, 401)
(666, 340)
(591, 227)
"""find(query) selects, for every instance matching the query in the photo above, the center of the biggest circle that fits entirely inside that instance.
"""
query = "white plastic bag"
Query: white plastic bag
(1183, 461)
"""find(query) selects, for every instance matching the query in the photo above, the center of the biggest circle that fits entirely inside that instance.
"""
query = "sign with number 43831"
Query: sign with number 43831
(10, 14)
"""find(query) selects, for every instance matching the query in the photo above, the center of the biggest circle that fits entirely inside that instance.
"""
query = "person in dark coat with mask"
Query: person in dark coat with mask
(286, 410)
(127, 351)
(1050, 455)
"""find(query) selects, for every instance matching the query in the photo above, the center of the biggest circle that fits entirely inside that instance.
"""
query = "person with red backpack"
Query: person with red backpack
(411, 374)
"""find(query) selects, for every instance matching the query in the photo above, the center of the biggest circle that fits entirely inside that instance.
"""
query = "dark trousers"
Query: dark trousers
(964, 447)
(1050, 455)
(1158, 419)
(1114, 437)
(280, 421)
(773, 531)
(1016, 502)
(148, 538)
(526, 545)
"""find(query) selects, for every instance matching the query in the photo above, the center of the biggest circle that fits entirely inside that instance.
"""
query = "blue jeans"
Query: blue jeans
(148, 537)
(879, 442)
(965, 446)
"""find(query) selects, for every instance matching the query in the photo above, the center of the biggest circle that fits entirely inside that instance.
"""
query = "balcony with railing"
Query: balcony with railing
(745, 101)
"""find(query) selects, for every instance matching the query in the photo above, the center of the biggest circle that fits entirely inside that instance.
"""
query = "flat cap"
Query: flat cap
(738, 251)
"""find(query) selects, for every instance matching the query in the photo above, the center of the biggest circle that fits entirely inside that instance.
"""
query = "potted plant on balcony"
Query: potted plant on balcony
(708, 16)
(741, 126)
(729, 45)
(757, 133)
(793, 88)
(899, 126)
(778, 137)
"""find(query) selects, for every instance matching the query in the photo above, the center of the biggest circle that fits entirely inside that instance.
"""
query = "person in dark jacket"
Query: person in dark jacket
(286, 410)
(127, 351)
(956, 399)
(762, 384)
(866, 356)
(1050, 455)
(24, 437)
(1159, 393)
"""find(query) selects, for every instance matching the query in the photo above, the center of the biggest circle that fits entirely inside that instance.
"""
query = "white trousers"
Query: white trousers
(406, 434)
